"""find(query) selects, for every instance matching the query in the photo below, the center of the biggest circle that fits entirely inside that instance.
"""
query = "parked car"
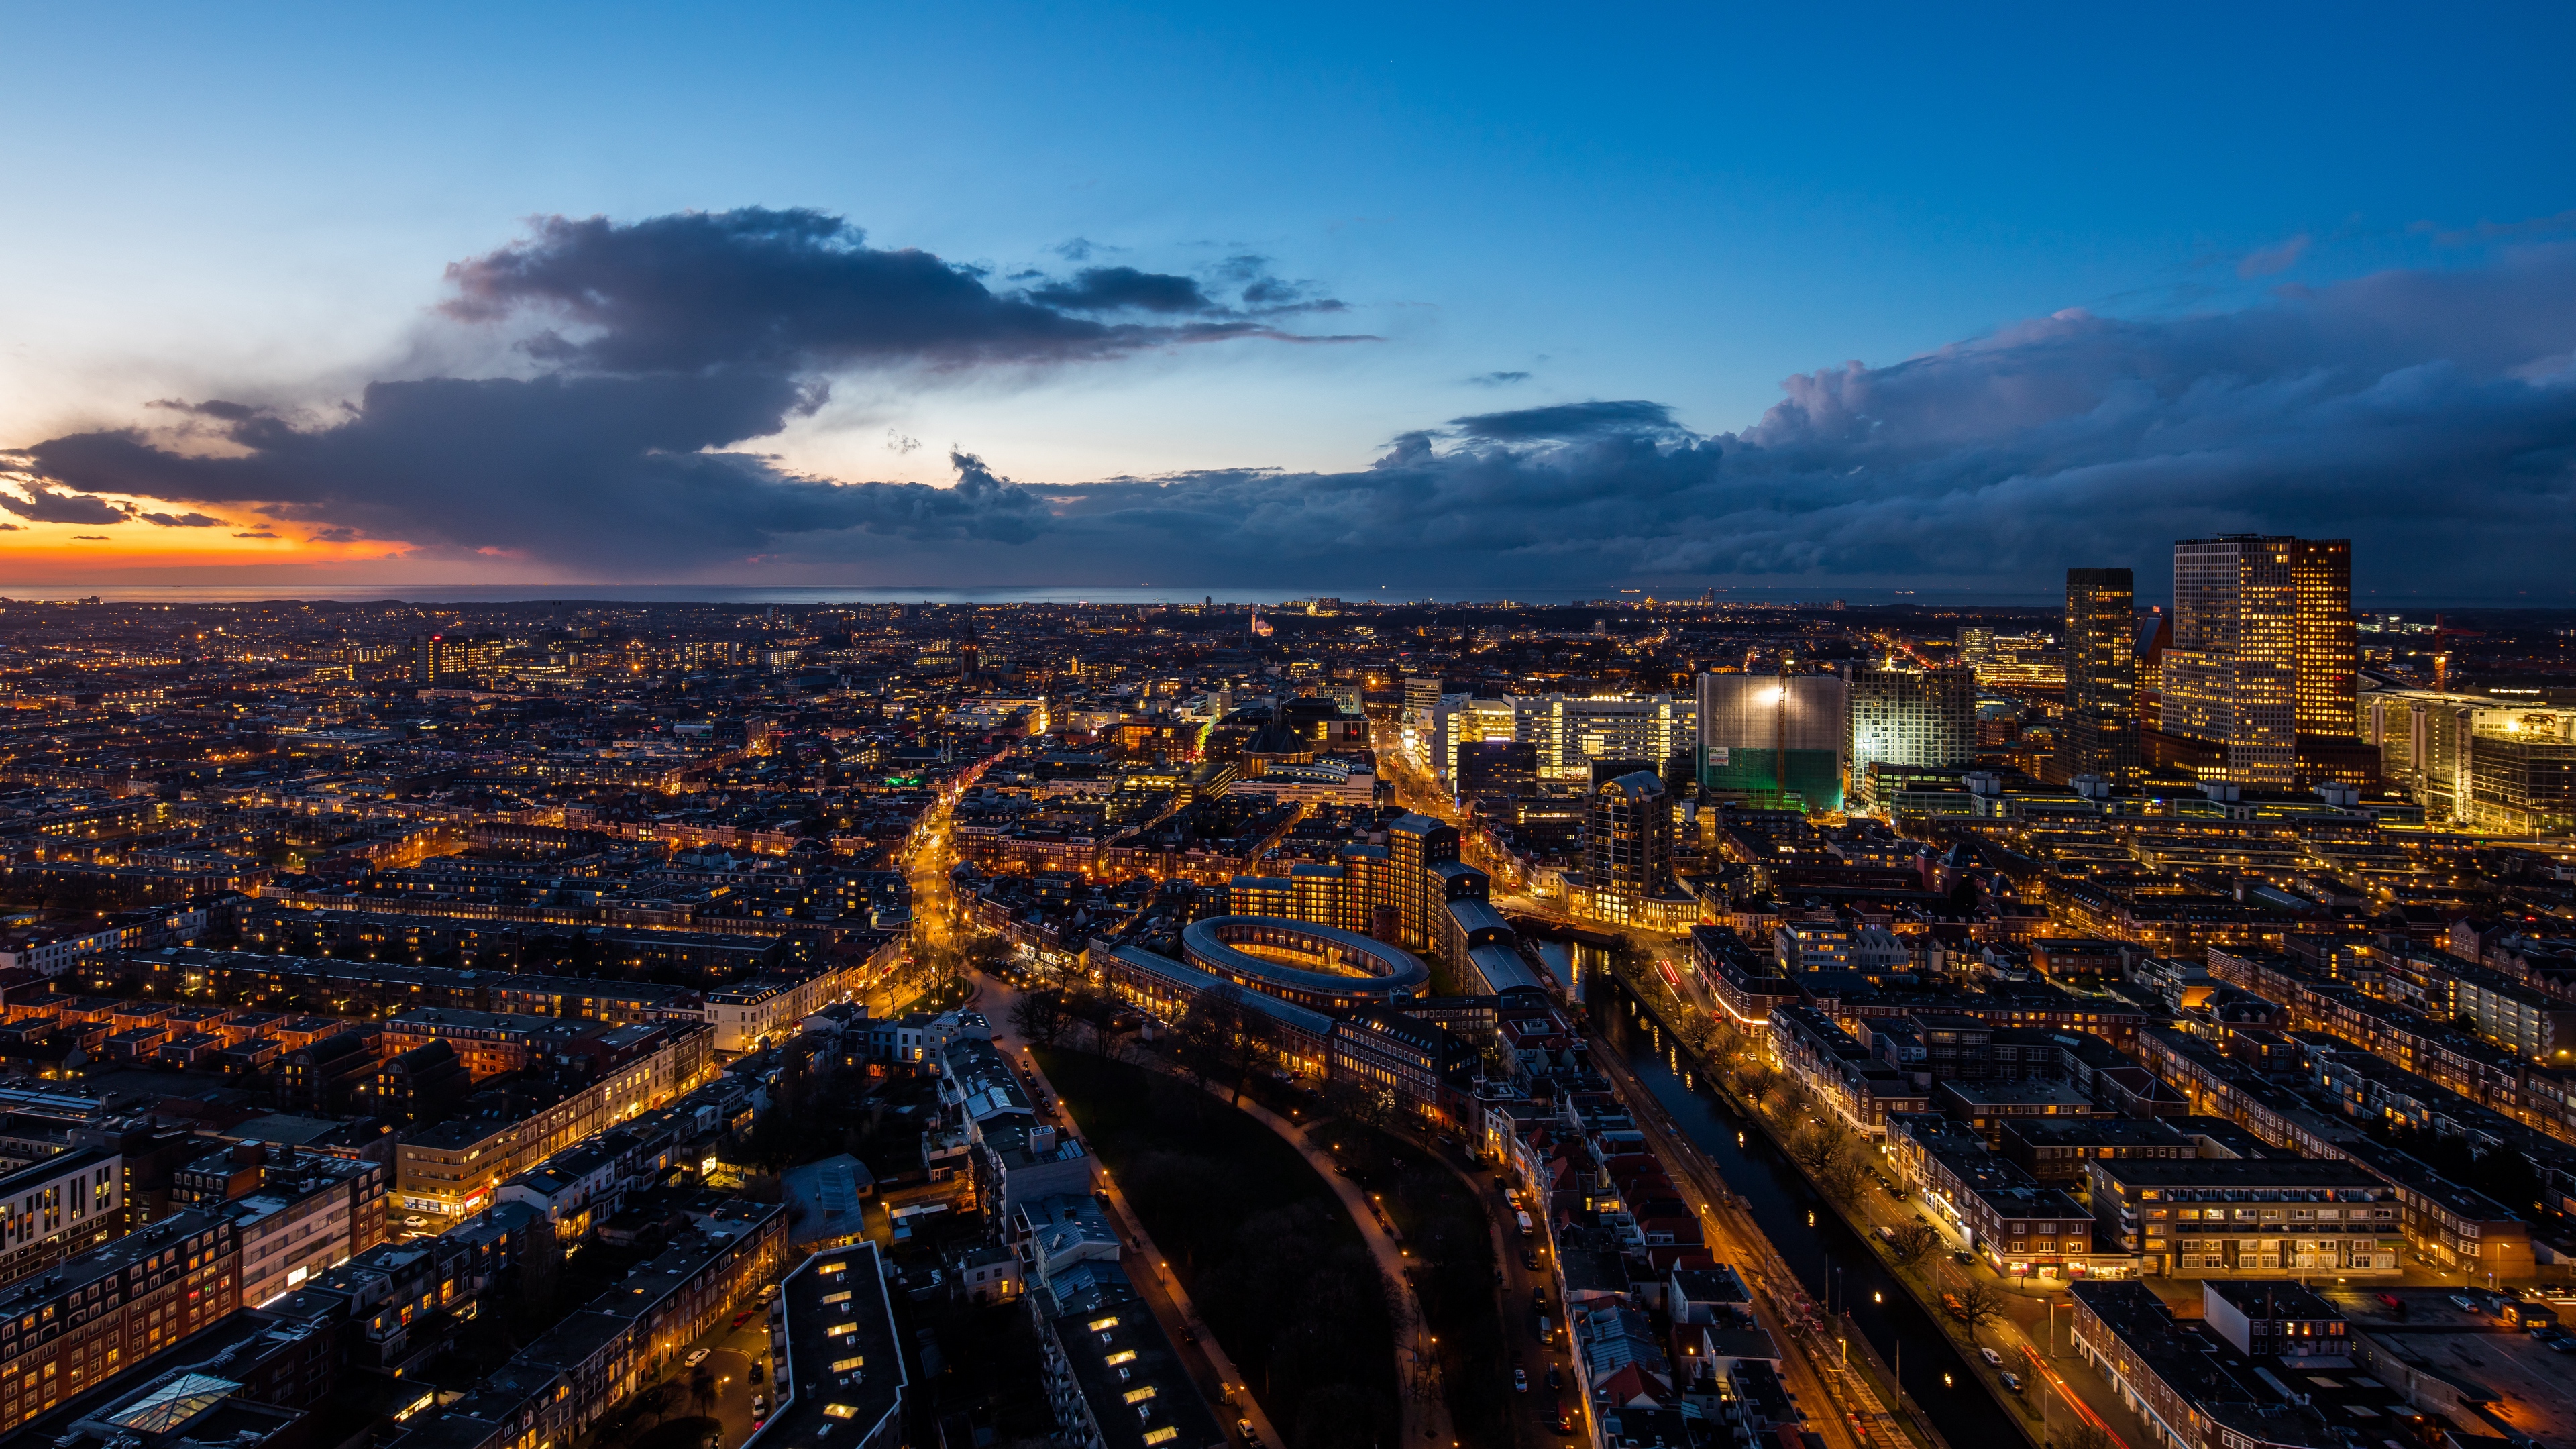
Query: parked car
(1529, 1260)
(415, 1221)
(1250, 1438)
(696, 1357)
(2012, 1382)
(1555, 1380)
(2466, 1304)
(1963, 1258)
(1520, 1380)
(1992, 1358)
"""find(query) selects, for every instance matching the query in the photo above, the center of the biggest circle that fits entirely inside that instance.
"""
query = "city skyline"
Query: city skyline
(1564, 319)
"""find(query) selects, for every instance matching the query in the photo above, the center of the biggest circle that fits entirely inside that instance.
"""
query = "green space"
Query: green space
(1448, 1242)
(1276, 1268)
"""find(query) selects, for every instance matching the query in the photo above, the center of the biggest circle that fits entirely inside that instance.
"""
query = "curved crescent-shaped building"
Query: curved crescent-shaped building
(1387, 973)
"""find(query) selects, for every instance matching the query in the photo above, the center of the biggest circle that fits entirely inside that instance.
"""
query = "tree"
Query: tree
(2081, 1435)
(1039, 1018)
(702, 1388)
(1976, 1305)
(1206, 1032)
(1819, 1144)
(659, 1400)
(1912, 1240)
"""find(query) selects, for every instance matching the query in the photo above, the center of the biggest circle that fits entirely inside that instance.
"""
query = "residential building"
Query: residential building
(840, 1365)
(1912, 717)
(2252, 1217)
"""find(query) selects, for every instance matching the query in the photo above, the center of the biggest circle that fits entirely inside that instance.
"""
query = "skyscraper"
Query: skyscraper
(2321, 572)
(2263, 647)
(2098, 735)
(1925, 717)
(1774, 739)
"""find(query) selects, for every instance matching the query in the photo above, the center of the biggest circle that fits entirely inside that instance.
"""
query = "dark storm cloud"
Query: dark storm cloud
(44, 505)
(661, 345)
(2429, 415)
(1115, 289)
(1567, 420)
(795, 291)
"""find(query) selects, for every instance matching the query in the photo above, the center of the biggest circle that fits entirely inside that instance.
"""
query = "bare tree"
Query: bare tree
(2082, 1435)
(1039, 1018)
(1912, 1240)
(1818, 1145)
(1976, 1305)
(1204, 1035)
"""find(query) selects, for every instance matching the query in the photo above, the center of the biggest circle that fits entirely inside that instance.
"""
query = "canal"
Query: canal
(1828, 1257)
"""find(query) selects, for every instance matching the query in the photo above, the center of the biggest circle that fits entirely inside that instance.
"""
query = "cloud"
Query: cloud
(658, 346)
(261, 534)
(1120, 289)
(2270, 260)
(13, 528)
(2428, 415)
(1568, 420)
(796, 292)
(89, 538)
(180, 520)
(1498, 379)
(44, 505)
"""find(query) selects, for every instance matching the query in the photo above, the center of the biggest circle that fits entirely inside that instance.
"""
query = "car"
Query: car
(2464, 1302)
(2561, 1344)
(1529, 1259)
(1992, 1358)
(415, 1221)
(1250, 1437)
(2012, 1382)
(1520, 1380)
(1555, 1380)
(1963, 1257)
(759, 1405)
(696, 1357)
(1538, 1298)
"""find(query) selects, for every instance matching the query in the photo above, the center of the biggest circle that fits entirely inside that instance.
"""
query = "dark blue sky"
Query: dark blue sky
(2319, 257)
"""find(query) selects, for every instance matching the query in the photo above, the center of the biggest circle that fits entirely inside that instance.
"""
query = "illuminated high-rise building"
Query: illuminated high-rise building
(1923, 717)
(2098, 735)
(1774, 739)
(2231, 677)
(2262, 654)
(2327, 648)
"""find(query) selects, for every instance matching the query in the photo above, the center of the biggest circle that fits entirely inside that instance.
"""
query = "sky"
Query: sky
(1314, 297)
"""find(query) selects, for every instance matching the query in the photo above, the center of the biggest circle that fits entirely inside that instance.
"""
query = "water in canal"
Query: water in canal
(1784, 1205)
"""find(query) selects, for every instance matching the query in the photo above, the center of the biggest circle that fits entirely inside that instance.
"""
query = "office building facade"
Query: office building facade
(2098, 733)
(1569, 732)
(2230, 697)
